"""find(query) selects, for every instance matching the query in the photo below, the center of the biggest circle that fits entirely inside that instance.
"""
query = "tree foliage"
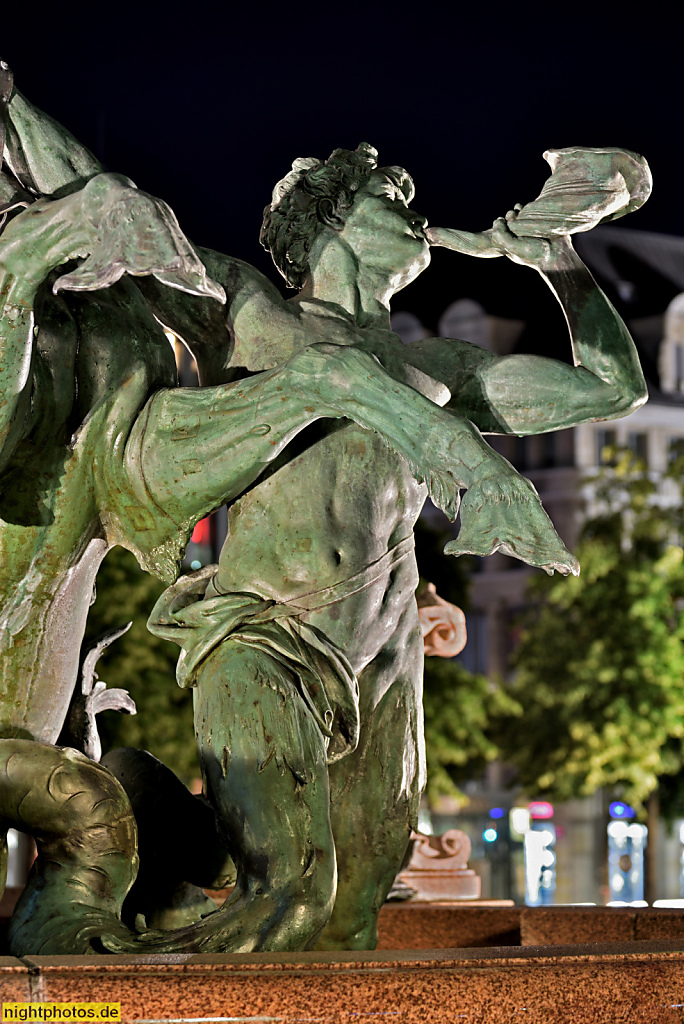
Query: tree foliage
(460, 707)
(142, 664)
(600, 669)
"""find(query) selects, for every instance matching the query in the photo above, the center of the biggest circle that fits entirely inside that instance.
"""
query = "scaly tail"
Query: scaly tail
(86, 835)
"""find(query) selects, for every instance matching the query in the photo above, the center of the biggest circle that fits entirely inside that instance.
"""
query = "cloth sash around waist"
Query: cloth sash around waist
(194, 615)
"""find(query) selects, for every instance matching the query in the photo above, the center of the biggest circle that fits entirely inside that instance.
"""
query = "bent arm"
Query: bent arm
(523, 394)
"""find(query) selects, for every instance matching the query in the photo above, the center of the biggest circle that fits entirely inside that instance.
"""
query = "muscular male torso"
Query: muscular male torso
(335, 502)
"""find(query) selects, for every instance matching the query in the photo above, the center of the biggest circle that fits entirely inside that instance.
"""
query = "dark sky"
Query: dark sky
(207, 107)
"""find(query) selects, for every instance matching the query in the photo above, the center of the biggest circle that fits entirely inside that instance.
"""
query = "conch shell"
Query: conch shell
(586, 187)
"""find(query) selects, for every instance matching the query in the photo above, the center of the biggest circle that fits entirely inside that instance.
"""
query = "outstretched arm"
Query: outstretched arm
(522, 394)
(125, 231)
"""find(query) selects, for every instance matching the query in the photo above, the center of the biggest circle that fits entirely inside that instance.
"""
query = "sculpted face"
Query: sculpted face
(387, 238)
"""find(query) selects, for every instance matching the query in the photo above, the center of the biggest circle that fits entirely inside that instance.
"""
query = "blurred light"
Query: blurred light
(497, 812)
(540, 809)
(195, 564)
(617, 903)
(548, 859)
(637, 832)
(669, 904)
(489, 835)
(619, 810)
(520, 820)
(638, 903)
(538, 859)
(626, 842)
(202, 532)
(618, 830)
(681, 833)
(424, 821)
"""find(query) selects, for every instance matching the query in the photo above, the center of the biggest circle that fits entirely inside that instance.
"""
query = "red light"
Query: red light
(202, 532)
(540, 809)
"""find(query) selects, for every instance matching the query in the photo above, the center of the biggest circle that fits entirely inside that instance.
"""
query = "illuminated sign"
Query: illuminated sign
(540, 809)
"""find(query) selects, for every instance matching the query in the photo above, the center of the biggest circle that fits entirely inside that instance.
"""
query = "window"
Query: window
(679, 367)
(548, 452)
(521, 459)
(604, 439)
(675, 449)
(638, 443)
(565, 447)
(474, 655)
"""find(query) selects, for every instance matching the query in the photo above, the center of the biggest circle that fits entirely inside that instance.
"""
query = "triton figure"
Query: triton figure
(324, 434)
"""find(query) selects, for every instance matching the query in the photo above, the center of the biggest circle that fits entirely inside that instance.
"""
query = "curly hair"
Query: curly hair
(291, 220)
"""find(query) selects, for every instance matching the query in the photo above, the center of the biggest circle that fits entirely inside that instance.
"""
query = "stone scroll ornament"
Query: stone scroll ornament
(323, 434)
(442, 624)
(438, 869)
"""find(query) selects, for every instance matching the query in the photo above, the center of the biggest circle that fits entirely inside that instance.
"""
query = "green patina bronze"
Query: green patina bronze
(324, 434)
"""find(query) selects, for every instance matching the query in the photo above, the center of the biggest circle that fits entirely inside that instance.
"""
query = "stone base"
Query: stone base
(414, 925)
(503, 975)
(595, 984)
(452, 884)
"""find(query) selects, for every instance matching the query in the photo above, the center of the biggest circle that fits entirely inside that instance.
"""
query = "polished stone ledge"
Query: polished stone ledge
(433, 926)
(594, 983)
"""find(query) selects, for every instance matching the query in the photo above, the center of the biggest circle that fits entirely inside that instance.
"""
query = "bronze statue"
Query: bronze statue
(324, 434)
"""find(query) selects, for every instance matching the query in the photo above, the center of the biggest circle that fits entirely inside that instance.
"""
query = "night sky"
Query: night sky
(207, 109)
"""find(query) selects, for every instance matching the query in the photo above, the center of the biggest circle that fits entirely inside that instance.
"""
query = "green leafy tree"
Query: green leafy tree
(459, 706)
(600, 669)
(144, 665)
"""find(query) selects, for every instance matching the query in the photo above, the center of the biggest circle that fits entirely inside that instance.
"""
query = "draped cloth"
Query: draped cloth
(196, 616)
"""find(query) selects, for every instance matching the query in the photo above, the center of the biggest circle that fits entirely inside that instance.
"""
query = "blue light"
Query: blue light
(489, 835)
(620, 810)
(497, 812)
